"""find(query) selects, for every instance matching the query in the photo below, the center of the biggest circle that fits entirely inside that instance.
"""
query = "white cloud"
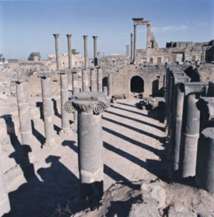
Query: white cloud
(163, 29)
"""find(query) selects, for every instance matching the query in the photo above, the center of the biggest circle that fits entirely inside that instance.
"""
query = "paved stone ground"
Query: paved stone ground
(132, 151)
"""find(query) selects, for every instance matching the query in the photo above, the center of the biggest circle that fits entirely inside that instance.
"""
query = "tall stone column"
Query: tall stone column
(131, 47)
(134, 43)
(64, 98)
(85, 42)
(47, 110)
(69, 51)
(178, 124)
(4, 200)
(24, 112)
(69, 60)
(205, 160)
(99, 79)
(110, 85)
(95, 50)
(90, 142)
(56, 38)
(190, 136)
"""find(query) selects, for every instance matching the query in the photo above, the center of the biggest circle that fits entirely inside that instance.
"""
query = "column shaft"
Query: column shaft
(83, 77)
(47, 110)
(69, 60)
(131, 47)
(110, 85)
(205, 160)
(190, 137)
(178, 124)
(69, 51)
(24, 113)
(99, 79)
(64, 98)
(90, 147)
(134, 43)
(85, 40)
(95, 50)
(56, 37)
(92, 81)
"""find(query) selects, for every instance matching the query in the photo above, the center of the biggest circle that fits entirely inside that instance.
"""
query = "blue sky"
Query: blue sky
(28, 25)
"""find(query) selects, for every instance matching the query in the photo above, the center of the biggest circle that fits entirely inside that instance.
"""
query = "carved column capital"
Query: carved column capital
(87, 102)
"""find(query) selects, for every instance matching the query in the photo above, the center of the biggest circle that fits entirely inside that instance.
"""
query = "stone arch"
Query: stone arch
(136, 84)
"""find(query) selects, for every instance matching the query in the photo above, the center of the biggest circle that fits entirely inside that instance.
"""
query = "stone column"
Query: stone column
(178, 124)
(205, 160)
(93, 84)
(99, 79)
(85, 41)
(4, 200)
(95, 50)
(134, 43)
(90, 142)
(69, 59)
(24, 112)
(64, 98)
(131, 47)
(83, 78)
(190, 136)
(148, 35)
(75, 87)
(69, 51)
(110, 85)
(47, 110)
(56, 37)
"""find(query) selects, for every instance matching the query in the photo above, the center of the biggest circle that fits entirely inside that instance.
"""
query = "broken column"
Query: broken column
(65, 125)
(56, 37)
(4, 200)
(85, 41)
(89, 107)
(24, 112)
(95, 50)
(47, 110)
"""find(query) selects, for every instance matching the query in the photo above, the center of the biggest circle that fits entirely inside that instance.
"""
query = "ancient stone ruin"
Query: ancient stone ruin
(118, 136)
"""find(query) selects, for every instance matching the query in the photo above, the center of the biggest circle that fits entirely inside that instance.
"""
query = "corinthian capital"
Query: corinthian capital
(87, 102)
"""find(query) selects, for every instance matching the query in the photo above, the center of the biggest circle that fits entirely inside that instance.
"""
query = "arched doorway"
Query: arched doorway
(105, 83)
(137, 84)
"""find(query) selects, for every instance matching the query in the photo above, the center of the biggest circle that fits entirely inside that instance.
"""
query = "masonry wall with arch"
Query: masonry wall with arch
(148, 78)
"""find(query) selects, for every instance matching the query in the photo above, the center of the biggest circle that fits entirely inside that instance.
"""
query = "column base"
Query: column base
(92, 192)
